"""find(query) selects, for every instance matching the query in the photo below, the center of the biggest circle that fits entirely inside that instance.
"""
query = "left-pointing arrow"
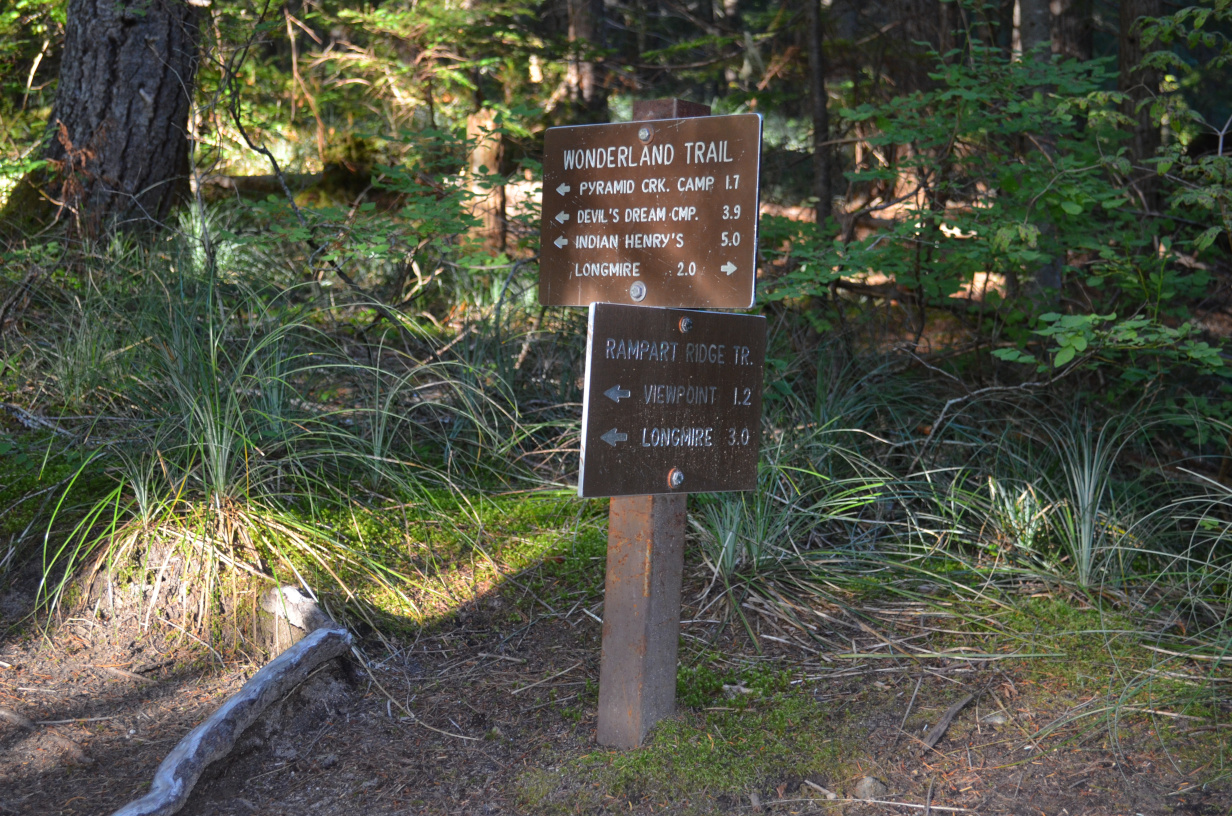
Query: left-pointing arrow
(563, 188)
(616, 393)
(613, 436)
(562, 241)
(562, 217)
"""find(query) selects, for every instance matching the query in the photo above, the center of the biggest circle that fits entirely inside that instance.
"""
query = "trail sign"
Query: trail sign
(657, 213)
(672, 401)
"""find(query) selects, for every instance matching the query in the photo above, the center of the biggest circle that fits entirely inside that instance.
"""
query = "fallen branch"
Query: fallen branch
(214, 738)
(910, 705)
(840, 802)
(992, 389)
(516, 692)
(33, 422)
(938, 731)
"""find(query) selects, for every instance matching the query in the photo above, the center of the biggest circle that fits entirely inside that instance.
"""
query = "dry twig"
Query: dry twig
(938, 731)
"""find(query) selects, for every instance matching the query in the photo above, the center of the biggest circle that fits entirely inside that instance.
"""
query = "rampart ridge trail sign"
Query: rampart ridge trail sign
(672, 401)
(656, 213)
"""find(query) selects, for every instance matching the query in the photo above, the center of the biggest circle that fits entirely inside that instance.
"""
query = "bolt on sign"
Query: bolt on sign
(658, 213)
(672, 401)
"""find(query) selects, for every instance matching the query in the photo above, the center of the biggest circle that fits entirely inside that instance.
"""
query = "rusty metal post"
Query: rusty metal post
(641, 600)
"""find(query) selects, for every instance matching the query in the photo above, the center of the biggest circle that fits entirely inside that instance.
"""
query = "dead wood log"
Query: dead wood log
(214, 738)
(290, 615)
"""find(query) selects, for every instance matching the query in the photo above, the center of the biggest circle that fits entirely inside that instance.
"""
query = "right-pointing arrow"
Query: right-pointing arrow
(728, 267)
(613, 436)
(562, 241)
(563, 188)
(562, 217)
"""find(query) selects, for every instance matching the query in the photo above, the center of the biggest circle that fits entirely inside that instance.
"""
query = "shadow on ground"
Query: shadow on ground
(491, 711)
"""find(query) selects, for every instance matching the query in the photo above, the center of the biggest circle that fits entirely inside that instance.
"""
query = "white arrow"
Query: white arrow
(616, 393)
(562, 217)
(728, 267)
(562, 241)
(563, 188)
(613, 436)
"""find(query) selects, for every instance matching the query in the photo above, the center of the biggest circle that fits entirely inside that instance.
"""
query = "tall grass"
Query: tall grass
(85, 363)
(247, 426)
(1017, 501)
(1084, 516)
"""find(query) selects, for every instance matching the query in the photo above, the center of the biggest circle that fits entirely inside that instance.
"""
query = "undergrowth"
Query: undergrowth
(239, 426)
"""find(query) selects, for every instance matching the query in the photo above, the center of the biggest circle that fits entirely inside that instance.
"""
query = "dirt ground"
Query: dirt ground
(497, 701)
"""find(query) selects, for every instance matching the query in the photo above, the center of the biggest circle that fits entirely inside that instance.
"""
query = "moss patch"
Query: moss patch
(441, 551)
(703, 760)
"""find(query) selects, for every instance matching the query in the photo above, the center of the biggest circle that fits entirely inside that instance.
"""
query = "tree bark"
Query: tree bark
(917, 21)
(1140, 86)
(1005, 27)
(819, 104)
(119, 127)
(586, 33)
(1073, 29)
(844, 19)
(487, 152)
(1035, 26)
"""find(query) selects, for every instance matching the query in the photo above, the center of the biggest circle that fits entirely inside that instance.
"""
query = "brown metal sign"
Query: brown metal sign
(658, 213)
(672, 401)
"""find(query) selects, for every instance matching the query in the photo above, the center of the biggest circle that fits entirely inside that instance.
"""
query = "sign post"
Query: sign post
(672, 403)
(641, 616)
(664, 215)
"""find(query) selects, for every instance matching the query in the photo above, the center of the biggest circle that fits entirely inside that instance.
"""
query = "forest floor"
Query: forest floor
(505, 696)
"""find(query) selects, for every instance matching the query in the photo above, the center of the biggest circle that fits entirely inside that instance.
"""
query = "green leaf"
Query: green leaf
(1072, 207)
(1013, 355)
(1207, 238)
(1064, 356)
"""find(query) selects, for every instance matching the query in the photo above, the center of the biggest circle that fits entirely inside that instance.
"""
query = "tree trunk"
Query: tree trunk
(119, 146)
(1073, 29)
(1005, 27)
(1035, 27)
(487, 152)
(1140, 86)
(918, 21)
(821, 113)
(844, 19)
(586, 34)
